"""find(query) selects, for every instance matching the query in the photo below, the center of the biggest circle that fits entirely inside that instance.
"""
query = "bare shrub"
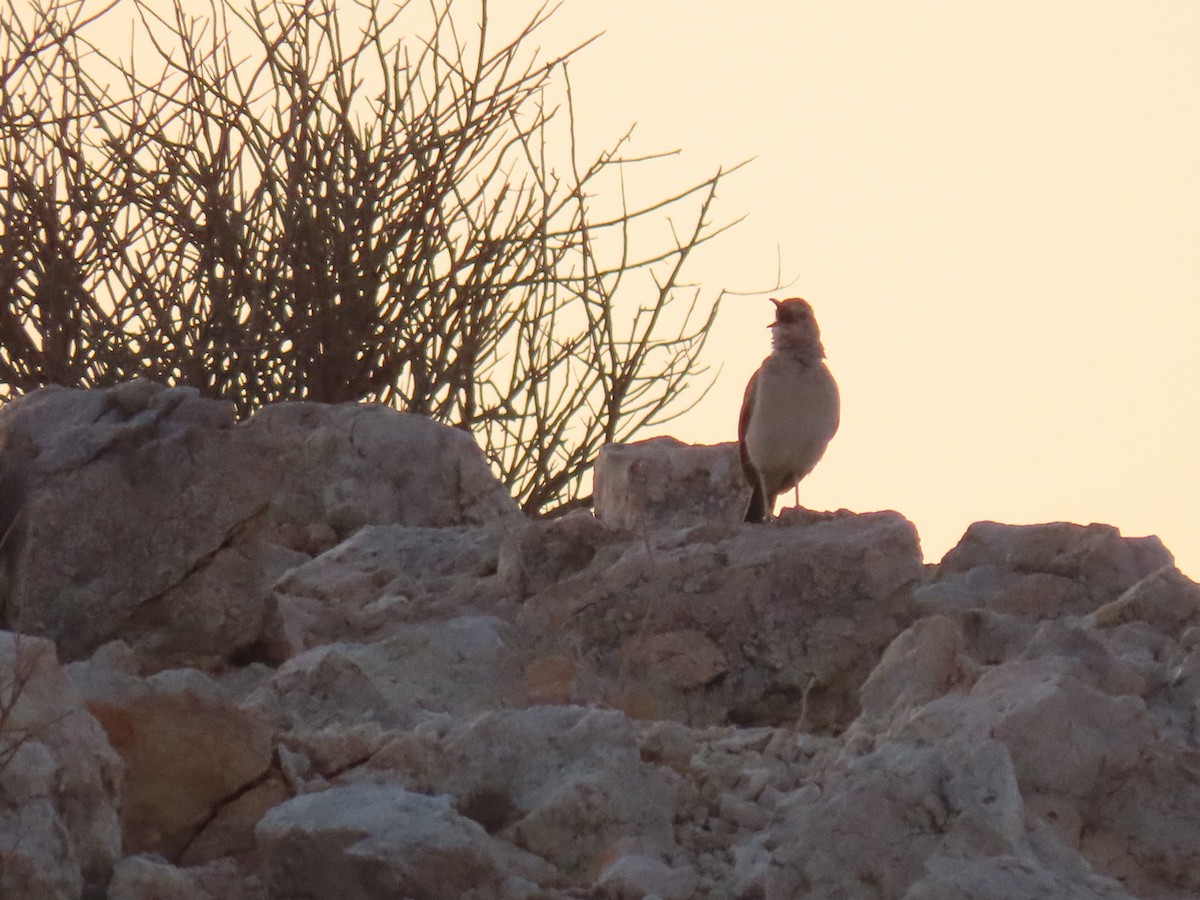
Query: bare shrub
(285, 201)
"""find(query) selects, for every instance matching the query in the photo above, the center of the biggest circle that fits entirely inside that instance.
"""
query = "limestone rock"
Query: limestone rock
(150, 877)
(60, 781)
(146, 877)
(461, 666)
(777, 621)
(894, 819)
(381, 580)
(565, 783)
(153, 517)
(188, 751)
(923, 663)
(355, 464)
(1006, 878)
(1041, 571)
(412, 690)
(662, 481)
(365, 842)
(638, 876)
(538, 553)
(1165, 599)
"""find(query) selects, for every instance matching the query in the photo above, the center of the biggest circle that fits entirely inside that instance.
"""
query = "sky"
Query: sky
(993, 207)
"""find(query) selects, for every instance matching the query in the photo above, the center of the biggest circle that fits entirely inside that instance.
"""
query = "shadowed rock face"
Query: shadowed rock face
(410, 691)
(150, 515)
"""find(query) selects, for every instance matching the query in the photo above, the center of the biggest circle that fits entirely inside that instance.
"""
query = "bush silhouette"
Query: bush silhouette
(282, 201)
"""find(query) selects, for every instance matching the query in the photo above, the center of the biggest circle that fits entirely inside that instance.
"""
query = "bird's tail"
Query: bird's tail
(757, 510)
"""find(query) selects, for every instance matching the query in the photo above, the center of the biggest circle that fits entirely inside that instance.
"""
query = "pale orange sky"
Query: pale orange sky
(994, 208)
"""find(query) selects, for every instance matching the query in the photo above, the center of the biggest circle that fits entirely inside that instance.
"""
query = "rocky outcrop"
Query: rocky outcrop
(723, 623)
(360, 842)
(152, 516)
(60, 781)
(663, 481)
(189, 752)
(394, 686)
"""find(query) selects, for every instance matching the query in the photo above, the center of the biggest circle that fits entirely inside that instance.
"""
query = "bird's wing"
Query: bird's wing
(744, 424)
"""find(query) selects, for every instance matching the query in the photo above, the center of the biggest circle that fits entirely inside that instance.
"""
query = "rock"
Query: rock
(392, 651)
(358, 464)
(637, 876)
(735, 622)
(682, 659)
(111, 536)
(371, 841)
(462, 666)
(1036, 708)
(150, 877)
(896, 819)
(147, 877)
(1006, 878)
(378, 582)
(153, 517)
(188, 752)
(538, 553)
(924, 662)
(1041, 571)
(229, 832)
(60, 781)
(662, 481)
(565, 783)
(1165, 599)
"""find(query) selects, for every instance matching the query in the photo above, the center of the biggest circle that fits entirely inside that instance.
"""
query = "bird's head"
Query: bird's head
(795, 328)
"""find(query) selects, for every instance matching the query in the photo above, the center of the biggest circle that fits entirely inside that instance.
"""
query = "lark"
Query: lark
(791, 409)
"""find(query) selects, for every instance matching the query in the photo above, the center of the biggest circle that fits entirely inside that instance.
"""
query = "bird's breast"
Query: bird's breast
(796, 413)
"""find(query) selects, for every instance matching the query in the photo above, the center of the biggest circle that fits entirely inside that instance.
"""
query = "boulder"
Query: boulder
(1041, 571)
(367, 842)
(565, 783)
(896, 822)
(189, 753)
(733, 622)
(150, 877)
(60, 781)
(462, 666)
(663, 481)
(150, 515)
(540, 552)
(380, 581)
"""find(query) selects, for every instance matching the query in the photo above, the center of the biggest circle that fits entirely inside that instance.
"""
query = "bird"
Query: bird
(790, 411)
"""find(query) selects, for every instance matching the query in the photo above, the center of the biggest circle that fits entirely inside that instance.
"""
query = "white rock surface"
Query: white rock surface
(153, 517)
(60, 781)
(411, 692)
(781, 621)
(461, 666)
(566, 783)
(363, 842)
(663, 481)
